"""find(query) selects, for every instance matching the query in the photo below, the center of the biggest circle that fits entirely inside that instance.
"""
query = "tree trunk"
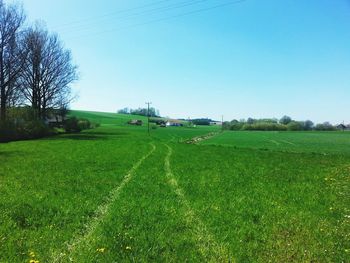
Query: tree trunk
(3, 107)
(2, 89)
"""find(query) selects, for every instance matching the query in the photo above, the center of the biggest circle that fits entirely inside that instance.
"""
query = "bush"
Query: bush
(7, 131)
(286, 123)
(74, 124)
(261, 126)
(204, 122)
(295, 126)
(71, 125)
(157, 121)
(84, 124)
(35, 129)
(236, 126)
(20, 129)
(326, 126)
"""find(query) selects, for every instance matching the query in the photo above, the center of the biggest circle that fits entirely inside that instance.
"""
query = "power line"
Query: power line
(164, 19)
(109, 14)
(156, 10)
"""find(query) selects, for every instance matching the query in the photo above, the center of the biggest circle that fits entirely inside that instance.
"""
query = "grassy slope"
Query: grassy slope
(106, 118)
(194, 203)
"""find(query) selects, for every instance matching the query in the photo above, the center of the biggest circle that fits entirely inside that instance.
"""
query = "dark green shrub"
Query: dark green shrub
(204, 122)
(295, 126)
(74, 124)
(262, 126)
(19, 129)
(84, 124)
(34, 129)
(236, 126)
(7, 131)
(326, 126)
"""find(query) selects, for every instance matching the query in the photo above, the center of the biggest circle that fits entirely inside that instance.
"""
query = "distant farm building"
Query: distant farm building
(158, 121)
(136, 122)
(174, 123)
(202, 121)
(218, 123)
(343, 127)
(55, 121)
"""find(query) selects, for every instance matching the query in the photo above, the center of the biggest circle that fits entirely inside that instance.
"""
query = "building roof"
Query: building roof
(135, 121)
(57, 118)
(174, 121)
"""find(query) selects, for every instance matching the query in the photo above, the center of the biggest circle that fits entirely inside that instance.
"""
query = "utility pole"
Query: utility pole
(222, 123)
(148, 103)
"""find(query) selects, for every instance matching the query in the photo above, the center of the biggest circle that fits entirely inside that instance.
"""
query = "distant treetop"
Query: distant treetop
(140, 111)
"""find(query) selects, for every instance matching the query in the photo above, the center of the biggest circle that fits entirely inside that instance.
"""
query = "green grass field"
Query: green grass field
(316, 142)
(114, 194)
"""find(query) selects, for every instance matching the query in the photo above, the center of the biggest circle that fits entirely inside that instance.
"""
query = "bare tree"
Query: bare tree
(15, 96)
(48, 72)
(11, 54)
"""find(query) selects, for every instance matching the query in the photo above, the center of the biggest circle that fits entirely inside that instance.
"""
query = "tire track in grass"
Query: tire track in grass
(210, 249)
(275, 142)
(100, 214)
(285, 141)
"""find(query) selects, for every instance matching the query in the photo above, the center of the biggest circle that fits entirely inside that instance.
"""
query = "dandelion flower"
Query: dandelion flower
(101, 250)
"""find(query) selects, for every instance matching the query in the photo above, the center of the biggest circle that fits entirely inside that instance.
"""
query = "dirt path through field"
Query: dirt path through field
(100, 214)
(201, 138)
(207, 245)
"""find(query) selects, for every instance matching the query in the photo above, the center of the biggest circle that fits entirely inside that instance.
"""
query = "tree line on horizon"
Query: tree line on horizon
(36, 73)
(286, 123)
(152, 112)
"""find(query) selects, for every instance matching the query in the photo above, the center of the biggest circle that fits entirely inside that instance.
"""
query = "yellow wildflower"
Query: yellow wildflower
(101, 250)
(34, 261)
(128, 248)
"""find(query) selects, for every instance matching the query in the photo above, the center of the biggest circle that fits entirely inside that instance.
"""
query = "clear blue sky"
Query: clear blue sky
(257, 58)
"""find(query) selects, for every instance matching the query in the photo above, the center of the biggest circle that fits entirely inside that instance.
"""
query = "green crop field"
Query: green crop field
(115, 194)
(316, 142)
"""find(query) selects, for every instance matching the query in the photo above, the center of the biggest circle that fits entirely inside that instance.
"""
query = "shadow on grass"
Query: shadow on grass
(87, 135)
(8, 154)
(93, 135)
(83, 137)
(107, 133)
